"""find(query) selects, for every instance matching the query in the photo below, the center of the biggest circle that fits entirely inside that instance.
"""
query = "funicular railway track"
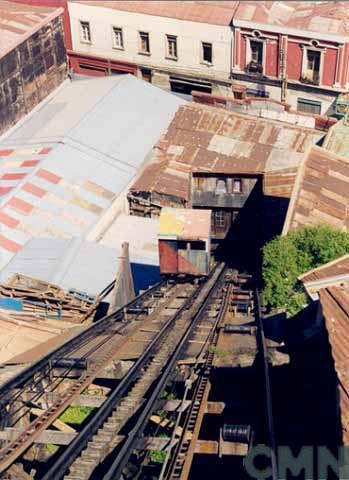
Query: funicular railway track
(180, 454)
(95, 348)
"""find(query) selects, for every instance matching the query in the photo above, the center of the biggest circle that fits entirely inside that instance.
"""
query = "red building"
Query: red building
(296, 52)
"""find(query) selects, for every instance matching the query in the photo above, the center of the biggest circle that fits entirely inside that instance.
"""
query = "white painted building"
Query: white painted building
(176, 46)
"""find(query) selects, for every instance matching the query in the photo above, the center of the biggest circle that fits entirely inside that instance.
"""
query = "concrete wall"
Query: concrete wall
(123, 291)
(189, 38)
(30, 72)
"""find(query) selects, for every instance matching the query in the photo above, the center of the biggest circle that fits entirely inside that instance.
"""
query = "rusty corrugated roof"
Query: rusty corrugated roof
(208, 139)
(18, 22)
(337, 139)
(211, 12)
(336, 268)
(320, 17)
(321, 193)
(335, 308)
(186, 224)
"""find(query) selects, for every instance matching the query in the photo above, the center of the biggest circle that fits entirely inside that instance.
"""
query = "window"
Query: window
(308, 106)
(171, 46)
(118, 39)
(312, 66)
(219, 219)
(221, 187)
(85, 32)
(197, 245)
(206, 52)
(256, 52)
(144, 46)
(237, 185)
(146, 74)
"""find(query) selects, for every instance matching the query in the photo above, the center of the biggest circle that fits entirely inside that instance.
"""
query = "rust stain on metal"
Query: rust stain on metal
(207, 139)
(321, 193)
(335, 307)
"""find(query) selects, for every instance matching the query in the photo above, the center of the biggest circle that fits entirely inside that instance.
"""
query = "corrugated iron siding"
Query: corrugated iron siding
(212, 140)
(193, 262)
(168, 256)
(321, 194)
(335, 307)
(174, 260)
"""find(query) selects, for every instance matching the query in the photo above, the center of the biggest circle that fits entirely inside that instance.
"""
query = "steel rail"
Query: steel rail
(15, 448)
(69, 346)
(80, 441)
(171, 461)
(268, 395)
(132, 439)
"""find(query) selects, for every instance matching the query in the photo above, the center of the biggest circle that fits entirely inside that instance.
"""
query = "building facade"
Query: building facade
(297, 53)
(226, 196)
(32, 59)
(292, 52)
(175, 46)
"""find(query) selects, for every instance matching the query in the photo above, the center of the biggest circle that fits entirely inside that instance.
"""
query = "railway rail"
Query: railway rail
(170, 313)
(180, 454)
(96, 346)
(178, 462)
(94, 349)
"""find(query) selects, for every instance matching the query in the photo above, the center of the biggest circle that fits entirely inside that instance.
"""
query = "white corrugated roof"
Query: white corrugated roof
(66, 163)
(71, 264)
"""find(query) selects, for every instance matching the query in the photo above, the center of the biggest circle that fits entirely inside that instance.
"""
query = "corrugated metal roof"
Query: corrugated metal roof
(320, 17)
(141, 235)
(208, 139)
(337, 139)
(84, 157)
(336, 268)
(18, 22)
(321, 193)
(211, 12)
(185, 224)
(74, 263)
(335, 308)
(333, 273)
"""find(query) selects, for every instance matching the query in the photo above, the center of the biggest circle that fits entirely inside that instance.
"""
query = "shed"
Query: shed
(184, 241)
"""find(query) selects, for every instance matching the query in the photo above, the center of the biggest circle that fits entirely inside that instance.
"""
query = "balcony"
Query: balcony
(222, 200)
(255, 68)
(311, 79)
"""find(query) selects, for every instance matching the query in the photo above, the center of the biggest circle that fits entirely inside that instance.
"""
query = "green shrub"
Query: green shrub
(75, 415)
(286, 258)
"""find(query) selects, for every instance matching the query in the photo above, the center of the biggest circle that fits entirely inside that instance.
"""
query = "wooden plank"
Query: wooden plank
(48, 436)
(63, 427)
(93, 401)
(215, 407)
(206, 447)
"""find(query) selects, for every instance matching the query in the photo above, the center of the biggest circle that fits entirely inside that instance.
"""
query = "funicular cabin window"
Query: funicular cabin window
(193, 245)
(197, 245)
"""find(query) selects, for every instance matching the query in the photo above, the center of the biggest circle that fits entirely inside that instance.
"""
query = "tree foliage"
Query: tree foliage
(286, 258)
